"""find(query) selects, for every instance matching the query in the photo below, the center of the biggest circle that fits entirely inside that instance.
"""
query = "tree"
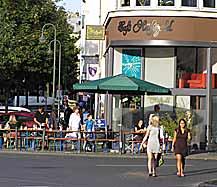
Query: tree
(170, 123)
(23, 59)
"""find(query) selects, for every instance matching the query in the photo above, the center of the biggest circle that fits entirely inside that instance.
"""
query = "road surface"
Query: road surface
(73, 171)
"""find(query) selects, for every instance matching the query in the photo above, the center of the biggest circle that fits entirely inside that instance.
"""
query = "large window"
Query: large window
(142, 2)
(125, 3)
(191, 3)
(165, 2)
(209, 3)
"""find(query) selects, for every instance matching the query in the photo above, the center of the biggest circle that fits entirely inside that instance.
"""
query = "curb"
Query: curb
(207, 156)
(107, 155)
(207, 185)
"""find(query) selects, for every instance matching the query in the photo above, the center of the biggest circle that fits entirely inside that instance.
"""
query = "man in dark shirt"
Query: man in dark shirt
(68, 111)
(41, 117)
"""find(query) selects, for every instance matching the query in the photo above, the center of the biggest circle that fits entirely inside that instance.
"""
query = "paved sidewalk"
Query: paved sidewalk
(204, 156)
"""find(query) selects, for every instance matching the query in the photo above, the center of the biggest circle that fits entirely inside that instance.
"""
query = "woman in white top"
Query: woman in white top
(74, 122)
(154, 132)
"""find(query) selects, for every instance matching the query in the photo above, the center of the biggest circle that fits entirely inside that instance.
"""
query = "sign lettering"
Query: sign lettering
(149, 28)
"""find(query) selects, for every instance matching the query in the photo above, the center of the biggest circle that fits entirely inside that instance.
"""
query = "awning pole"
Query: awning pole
(209, 98)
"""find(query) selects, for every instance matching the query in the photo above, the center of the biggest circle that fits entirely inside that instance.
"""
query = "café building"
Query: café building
(172, 44)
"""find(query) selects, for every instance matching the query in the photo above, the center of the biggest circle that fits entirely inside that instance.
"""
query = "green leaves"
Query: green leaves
(21, 22)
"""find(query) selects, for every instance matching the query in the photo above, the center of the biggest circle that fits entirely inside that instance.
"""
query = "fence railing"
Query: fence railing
(69, 141)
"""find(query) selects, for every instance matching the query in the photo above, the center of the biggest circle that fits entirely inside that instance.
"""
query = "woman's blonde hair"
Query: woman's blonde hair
(155, 121)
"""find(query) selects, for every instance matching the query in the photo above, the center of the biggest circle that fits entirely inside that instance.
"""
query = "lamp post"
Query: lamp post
(42, 40)
(59, 71)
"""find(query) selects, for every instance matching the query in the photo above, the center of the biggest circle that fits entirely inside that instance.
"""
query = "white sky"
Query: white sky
(71, 5)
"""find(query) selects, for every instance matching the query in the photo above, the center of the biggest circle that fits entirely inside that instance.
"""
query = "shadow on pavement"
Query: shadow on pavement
(202, 171)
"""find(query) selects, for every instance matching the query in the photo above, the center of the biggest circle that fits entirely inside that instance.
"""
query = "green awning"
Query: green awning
(120, 84)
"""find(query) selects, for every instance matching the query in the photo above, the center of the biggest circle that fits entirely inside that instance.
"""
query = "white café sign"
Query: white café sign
(166, 102)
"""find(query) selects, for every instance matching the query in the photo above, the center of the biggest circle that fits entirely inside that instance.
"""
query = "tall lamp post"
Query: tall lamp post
(59, 71)
(42, 40)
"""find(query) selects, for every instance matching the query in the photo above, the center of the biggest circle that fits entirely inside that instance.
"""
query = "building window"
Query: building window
(165, 2)
(125, 3)
(191, 3)
(142, 2)
(209, 3)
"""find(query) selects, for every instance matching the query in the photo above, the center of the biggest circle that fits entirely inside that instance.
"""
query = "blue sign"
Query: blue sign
(131, 62)
(100, 124)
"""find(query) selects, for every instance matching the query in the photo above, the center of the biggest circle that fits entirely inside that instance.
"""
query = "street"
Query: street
(74, 171)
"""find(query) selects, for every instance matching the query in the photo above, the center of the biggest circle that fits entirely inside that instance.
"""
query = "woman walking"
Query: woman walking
(180, 147)
(153, 135)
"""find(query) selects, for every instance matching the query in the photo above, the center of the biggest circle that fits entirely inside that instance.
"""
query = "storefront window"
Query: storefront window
(191, 3)
(125, 3)
(142, 2)
(165, 2)
(191, 68)
(209, 3)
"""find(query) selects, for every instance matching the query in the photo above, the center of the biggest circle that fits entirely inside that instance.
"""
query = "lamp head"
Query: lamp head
(42, 38)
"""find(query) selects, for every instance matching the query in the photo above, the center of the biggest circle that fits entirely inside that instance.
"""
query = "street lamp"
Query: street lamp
(42, 40)
(60, 49)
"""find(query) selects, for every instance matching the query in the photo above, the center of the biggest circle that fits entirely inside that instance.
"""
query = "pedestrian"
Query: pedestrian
(153, 135)
(139, 130)
(41, 118)
(68, 111)
(74, 122)
(180, 145)
(11, 125)
(89, 129)
(167, 142)
(157, 113)
(74, 126)
(53, 119)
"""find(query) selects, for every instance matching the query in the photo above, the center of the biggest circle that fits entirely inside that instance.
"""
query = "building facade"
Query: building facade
(171, 43)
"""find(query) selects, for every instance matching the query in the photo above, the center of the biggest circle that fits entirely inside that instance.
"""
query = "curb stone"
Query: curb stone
(207, 185)
(203, 156)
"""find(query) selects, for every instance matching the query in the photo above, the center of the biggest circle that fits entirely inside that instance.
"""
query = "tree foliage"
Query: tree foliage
(22, 57)
(171, 123)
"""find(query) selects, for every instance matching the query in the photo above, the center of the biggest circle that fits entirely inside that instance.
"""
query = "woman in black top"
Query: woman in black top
(140, 129)
(179, 145)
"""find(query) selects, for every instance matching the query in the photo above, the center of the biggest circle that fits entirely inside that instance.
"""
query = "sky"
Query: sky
(71, 5)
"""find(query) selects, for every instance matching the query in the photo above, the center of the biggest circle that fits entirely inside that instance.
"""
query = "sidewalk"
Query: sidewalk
(204, 156)
(198, 156)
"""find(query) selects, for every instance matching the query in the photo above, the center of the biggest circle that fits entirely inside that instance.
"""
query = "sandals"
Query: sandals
(180, 174)
(154, 175)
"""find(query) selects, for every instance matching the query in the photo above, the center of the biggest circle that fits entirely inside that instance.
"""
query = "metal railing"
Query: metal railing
(69, 141)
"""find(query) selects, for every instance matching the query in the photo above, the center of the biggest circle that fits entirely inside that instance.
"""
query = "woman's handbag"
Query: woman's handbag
(160, 160)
